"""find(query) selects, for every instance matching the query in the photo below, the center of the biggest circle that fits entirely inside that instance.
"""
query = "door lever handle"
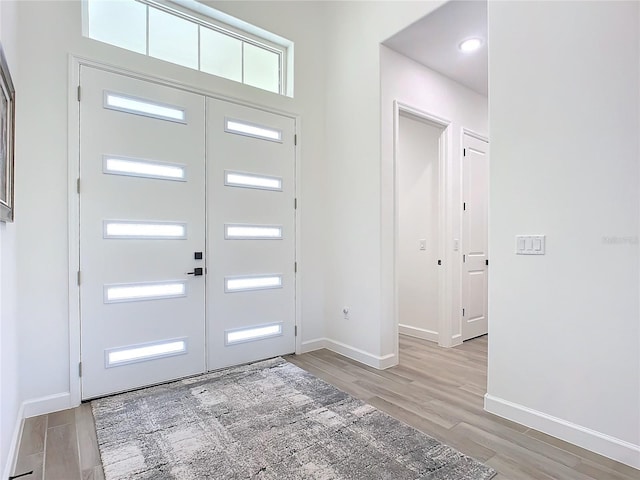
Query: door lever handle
(198, 271)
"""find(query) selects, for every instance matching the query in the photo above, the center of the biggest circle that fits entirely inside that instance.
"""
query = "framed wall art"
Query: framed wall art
(7, 136)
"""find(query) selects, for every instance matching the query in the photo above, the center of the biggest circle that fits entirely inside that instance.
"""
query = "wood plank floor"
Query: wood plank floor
(438, 391)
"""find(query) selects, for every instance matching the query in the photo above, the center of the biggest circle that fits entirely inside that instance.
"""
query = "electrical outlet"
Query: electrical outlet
(345, 313)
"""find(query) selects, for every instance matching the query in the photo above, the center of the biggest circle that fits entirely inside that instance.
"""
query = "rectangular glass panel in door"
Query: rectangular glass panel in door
(251, 235)
(142, 218)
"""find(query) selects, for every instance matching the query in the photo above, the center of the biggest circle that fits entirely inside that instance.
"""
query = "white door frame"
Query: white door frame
(73, 142)
(444, 200)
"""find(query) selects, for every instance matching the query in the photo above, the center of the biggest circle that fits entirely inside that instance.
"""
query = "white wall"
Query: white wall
(10, 399)
(417, 170)
(564, 163)
(564, 355)
(354, 31)
(47, 33)
(416, 86)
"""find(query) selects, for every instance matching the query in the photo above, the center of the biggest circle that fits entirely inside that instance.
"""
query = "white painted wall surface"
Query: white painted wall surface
(47, 33)
(353, 264)
(564, 355)
(575, 354)
(417, 171)
(415, 85)
(10, 398)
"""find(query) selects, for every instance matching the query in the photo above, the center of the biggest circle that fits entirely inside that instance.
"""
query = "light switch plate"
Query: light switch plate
(530, 244)
(423, 244)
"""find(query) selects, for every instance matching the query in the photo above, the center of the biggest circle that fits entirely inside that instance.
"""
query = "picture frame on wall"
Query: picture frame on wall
(7, 136)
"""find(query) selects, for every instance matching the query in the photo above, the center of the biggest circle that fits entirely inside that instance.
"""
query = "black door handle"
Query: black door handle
(198, 271)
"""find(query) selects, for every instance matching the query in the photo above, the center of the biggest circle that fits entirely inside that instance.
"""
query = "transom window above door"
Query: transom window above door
(188, 33)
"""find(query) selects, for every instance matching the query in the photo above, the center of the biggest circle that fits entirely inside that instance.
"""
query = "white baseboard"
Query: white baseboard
(33, 408)
(311, 345)
(48, 404)
(603, 444)
(12, 455)
(418, 333)
(375, 361)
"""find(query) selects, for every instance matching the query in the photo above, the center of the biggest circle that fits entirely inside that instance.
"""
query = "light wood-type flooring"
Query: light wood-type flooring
(438, 391)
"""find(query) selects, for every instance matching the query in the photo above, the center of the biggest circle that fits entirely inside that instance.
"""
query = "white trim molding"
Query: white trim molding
(600, 443)
(418, 333)
(311, 345)
(12, 455)
(33, 408)
(376, 361)
(48, 404)
(445, 152)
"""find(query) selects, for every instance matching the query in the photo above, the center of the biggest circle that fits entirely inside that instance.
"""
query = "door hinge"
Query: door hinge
(295, 203)
(79, 369)
(295, 331)
(78, 277)
(78, 92)
(464, 152)
(486, 262)
(464, 258)
(295, 139)
(464, 205)
(295, 267)
(78, 185)
(463, 312)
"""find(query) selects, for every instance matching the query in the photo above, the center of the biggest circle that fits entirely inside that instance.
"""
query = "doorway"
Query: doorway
(419, 169)
(186, 233)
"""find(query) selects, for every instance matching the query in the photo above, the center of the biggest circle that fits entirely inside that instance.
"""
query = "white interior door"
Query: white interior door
(251, 234)
(475, 168)
(142, 220)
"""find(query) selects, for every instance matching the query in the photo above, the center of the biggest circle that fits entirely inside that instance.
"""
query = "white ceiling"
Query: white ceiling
(433, 41)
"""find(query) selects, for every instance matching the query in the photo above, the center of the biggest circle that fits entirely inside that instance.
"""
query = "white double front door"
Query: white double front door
(187, 233)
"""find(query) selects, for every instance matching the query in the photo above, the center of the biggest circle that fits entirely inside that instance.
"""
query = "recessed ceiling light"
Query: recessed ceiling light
(470, 45)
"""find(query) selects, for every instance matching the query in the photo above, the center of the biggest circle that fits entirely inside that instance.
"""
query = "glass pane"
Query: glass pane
(144, 168)
(238, 284)
(173, 39)
(255, 333)
(122, 23)
(259, 232)
(261, 68)
(220, 54)
(249, 180)
(139, 106)
(141, 353)
(149, 230)
(252, 130)
(144, 291)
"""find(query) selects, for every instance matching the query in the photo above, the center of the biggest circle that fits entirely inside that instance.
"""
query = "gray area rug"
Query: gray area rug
(268, 420)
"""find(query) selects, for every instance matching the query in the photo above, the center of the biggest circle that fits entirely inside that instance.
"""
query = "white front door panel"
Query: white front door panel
(475, 165)
(142, 204)
(251, 234)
